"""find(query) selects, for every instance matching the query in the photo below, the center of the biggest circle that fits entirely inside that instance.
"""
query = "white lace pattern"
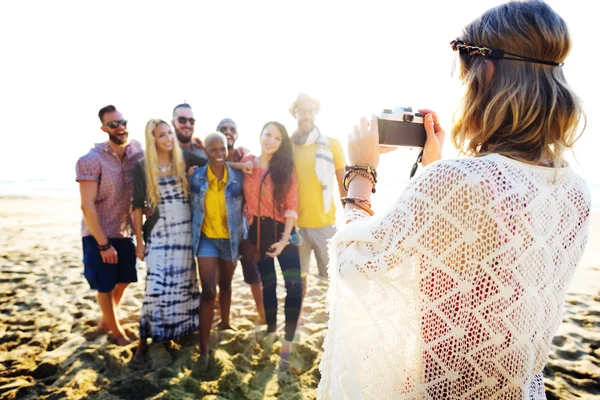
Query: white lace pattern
(457, 291)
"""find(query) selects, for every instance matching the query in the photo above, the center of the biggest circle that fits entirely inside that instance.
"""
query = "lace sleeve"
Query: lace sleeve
(438, 208)
(352, 214)
(367, 246)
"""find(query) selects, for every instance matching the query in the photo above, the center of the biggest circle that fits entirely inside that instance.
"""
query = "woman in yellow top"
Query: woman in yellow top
(217, 193)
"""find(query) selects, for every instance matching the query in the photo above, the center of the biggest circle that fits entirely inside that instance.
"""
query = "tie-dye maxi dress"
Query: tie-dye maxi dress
(172, 298)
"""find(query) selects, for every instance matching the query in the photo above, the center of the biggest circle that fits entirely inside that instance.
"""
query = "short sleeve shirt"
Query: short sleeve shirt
(311, 210)
(115, 186)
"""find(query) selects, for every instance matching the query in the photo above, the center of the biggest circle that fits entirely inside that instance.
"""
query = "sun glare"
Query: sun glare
(246, 61)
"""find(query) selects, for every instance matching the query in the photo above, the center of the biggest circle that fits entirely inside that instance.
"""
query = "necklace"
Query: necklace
(165, 168)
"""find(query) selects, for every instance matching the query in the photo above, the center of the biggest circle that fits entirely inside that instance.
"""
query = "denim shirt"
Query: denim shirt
(234, 200)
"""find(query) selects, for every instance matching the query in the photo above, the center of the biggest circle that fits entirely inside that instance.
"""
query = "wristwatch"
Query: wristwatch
(104, 247)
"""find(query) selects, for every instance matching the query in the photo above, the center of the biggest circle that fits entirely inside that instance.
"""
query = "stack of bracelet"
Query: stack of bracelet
(364, 170)
(363, 204)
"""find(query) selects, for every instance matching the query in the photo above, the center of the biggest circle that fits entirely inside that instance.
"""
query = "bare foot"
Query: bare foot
(262, 320)
(223, 327)
(103, 327)
(286, 349)
(122, 340)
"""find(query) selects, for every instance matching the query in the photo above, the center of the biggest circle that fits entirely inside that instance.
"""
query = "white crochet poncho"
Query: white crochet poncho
(457, 291)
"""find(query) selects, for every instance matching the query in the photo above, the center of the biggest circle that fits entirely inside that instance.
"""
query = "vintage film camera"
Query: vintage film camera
(401, 127)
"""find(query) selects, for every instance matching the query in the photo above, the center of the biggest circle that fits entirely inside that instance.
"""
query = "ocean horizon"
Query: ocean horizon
(55, 188)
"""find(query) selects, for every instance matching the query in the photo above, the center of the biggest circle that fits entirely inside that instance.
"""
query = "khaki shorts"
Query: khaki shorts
(315, 239)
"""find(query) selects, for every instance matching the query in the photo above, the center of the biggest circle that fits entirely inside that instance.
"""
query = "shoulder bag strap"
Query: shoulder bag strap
(258, 211)
(274, 220)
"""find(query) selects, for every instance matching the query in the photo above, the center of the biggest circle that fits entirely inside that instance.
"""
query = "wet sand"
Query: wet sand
(50, 347)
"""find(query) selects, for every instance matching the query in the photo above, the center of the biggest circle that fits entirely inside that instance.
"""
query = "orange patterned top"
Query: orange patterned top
(252, 184)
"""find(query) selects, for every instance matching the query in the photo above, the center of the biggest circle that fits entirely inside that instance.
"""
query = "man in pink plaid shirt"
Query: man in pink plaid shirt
(105, 177)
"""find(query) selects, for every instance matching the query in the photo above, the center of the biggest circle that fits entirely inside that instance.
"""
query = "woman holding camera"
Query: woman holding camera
(271, 194)
(457, 290)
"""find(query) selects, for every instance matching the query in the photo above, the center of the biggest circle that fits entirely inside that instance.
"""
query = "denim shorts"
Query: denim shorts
(103, 277)
(218, 248)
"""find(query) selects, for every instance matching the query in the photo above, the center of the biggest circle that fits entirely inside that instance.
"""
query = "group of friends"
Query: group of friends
(198, 206)
(455, 291)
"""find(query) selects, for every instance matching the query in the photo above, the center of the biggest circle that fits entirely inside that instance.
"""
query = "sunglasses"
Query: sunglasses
(184, 120)
(116, 124)
(224, 129)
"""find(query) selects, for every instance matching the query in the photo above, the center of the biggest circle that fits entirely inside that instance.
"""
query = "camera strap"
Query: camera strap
(415, 166)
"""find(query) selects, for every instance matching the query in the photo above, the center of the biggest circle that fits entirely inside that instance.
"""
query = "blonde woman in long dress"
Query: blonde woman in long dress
(161, 190)
(457, 290)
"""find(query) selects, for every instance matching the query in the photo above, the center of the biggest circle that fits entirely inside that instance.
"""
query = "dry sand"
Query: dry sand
(50, 348)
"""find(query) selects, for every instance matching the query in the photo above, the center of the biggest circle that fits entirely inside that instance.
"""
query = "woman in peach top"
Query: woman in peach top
(273, 181)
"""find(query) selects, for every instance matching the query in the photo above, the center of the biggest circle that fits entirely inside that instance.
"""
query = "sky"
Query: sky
(64, 60)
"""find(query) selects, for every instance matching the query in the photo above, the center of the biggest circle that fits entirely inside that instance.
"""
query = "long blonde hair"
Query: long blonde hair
(151, 167)
(528, 111)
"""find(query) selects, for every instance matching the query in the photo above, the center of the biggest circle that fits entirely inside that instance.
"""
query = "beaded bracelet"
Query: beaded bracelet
(364, 170)
(349, 177)
(363, 167)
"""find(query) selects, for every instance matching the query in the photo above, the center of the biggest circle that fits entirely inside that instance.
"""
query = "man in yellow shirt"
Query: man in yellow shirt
(319, 162)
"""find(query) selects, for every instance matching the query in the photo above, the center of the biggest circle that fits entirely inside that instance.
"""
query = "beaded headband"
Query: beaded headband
(466, 48)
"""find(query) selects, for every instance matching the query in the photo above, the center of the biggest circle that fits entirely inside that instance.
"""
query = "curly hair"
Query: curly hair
(281, 166)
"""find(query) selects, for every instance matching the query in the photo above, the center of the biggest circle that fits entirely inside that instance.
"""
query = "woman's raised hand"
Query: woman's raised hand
(363, 143)
(435, 137)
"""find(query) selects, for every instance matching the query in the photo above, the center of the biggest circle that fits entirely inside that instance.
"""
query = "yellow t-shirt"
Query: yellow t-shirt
(214, 224)
(311, 210)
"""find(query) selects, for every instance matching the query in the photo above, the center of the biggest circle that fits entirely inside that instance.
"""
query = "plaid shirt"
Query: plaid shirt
(115, 186)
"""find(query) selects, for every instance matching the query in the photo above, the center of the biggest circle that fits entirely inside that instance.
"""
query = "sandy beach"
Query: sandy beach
(50, 347)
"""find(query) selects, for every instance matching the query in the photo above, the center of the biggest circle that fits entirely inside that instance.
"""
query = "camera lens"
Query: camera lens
(408, 117)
